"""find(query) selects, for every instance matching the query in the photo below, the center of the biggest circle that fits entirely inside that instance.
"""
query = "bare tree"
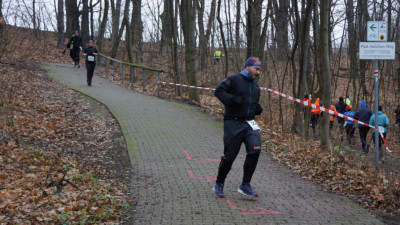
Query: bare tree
(137, 27)
(103, 23)
(221, 28)
(60, 24)
(166, 34)
(204, 35)
(281, 9)
(254, 27)
(174, 55)
(85, 21)
(91, 11)
(72, 22)
(115, 12)
(362, 17)
(302, 39)
(352, 49)
(125, 22)
(187, 22)
(326, 73)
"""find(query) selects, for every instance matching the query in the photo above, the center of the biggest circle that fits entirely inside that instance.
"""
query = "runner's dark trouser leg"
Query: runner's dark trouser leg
(233, 135)
(363, 136)
(90, 70)
(76, 55)
(253, 149)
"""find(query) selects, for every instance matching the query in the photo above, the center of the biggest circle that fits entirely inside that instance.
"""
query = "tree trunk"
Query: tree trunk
(304, 61)
(60, 25)
(115, 12)
(281, 24)
(221, 28)
(238, 59)
(363, 17)
(103, 23)
(174, 30)
(85, 22)
(137, 27)
(91, 20)
(34, 19)
(205, 38)
(188, 33)
(389, 36)
(317, 46)
(263, 36)
(166, 34)
(72, 16)
(352, 47)
(202, 36)
(125, 22)
(128, 31)
(326, 73)
(2, 23)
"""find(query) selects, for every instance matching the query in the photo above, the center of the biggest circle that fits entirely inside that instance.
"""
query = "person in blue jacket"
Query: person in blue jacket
(383, 121)
(364, 115)
(349, 125)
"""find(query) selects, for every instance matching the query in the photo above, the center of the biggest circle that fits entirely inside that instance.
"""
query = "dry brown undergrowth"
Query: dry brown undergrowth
(44, 129)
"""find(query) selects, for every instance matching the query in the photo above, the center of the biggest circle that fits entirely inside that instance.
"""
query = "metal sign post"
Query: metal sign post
(376, 137)
(377, 32)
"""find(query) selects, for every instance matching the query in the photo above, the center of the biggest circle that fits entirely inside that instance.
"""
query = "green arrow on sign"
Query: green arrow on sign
(372, 27)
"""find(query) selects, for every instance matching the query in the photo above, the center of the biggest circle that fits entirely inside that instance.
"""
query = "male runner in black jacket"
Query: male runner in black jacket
(240, 95)
(76, 47)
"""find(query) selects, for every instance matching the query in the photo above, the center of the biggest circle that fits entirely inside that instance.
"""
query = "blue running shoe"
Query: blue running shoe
(246, 190)
(219, 190)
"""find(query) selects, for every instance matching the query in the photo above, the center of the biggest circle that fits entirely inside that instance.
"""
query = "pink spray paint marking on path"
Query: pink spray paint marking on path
(206, 178)
(259, 211)
(200, 159)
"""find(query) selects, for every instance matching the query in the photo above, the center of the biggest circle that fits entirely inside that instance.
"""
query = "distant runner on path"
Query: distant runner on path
(240, 95)
(76, 47)
(90, 53)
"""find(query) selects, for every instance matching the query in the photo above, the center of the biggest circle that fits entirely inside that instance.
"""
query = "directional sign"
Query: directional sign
(371, 50)
(376, 31)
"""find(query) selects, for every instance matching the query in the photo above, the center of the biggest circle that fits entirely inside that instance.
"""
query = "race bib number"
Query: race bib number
(90, 58)
(253, 124)
(381, 130)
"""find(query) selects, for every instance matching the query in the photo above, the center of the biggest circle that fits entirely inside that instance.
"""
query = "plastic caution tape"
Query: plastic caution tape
(306, 103)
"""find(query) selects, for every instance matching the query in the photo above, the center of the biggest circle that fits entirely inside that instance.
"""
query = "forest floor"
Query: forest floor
(43, 120)
(58, 161)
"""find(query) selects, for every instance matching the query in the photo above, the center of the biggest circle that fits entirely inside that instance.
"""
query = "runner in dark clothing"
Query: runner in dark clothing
(76, 47)
(363, 114)
(90, 53)
(340, 108)
(240, 95)
(397, 111)
(70, 46)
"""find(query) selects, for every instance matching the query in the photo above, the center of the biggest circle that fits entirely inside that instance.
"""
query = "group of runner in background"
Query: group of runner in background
(362, 114)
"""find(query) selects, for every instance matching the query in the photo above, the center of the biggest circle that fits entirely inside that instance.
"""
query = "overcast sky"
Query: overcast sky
(20, 13)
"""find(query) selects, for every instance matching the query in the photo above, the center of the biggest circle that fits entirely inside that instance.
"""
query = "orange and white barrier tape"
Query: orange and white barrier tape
(306, 103)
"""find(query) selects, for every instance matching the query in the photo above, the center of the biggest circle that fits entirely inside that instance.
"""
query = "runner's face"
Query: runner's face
(253, 71)
(90, 44)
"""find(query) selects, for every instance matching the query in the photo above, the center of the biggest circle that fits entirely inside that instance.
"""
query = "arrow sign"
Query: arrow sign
(377, 31)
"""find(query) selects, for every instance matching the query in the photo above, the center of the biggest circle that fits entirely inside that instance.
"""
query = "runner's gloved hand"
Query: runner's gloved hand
(80, 48)
(238, 100)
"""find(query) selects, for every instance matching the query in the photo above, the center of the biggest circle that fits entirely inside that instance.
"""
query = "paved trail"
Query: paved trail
(174, 149)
